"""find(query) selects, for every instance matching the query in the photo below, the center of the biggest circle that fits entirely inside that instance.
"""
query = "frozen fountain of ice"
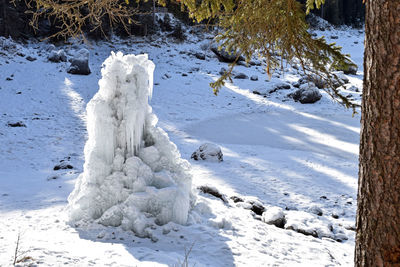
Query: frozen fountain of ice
(133, 174)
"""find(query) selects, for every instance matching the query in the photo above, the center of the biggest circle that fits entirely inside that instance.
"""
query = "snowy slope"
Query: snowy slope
(276, 151)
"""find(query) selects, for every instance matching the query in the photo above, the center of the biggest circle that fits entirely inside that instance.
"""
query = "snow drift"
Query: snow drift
(133, 175)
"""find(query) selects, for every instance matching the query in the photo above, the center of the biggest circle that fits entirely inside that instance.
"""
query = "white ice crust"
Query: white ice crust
(133, 175)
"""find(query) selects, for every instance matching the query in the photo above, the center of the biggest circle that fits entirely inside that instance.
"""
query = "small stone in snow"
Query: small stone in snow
(212, 191)
(316, 210)
(241, 76)
(29, 58)
(254, 78)
(236, 199)
(200, 56)
(222, 71)
(16, 124)
(62, 166)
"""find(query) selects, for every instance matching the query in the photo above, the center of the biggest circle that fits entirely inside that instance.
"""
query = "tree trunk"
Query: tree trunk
(378, 214)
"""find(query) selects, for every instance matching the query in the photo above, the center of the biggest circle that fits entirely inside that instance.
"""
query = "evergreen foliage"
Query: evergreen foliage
(276, 32)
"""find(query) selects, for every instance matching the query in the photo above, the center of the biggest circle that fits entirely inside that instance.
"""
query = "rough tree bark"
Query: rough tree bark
(378, 214)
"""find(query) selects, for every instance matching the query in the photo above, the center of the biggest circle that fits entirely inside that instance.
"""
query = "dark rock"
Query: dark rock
(340, 237)
(79, 66)
(274, 216)
(279, 86)
(254, 78)
(57, 56)
(80, 63)
(334, 37)
(256, 92)
(255, 63)
(184, 74)
(29, 58)
(310, 232)
(296, 84)
(306, 95)
(222, 71)
(257, 207)
(53, 177)
(63, 166)
(212, 191)
(9, 79)
(285, 86)
(350, 227)
(208, 151)
(200, 56)
(335, 216)
(242, 63)
(241, 76)
(16, 124)
(178, 33)
(237, 199)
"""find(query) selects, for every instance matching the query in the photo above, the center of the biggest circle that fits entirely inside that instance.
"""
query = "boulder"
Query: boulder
(306, 94)
(57, 56)
(274, 216)
(208, 151)
(240, 76)
(271, 89)
(80, 63)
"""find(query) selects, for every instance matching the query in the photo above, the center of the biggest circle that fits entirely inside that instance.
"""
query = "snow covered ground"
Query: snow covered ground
(277, 152)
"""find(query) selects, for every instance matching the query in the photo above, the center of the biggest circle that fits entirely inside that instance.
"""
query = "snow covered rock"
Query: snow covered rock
(80, 63)
(211, 190)
(133, 175)
(274, 216)
(208, 151)
(316, 210)
(272, 88)
(240, 75)
(8, 44)
(306, 94)
(57, 56)
(254, 78)
(308, 224)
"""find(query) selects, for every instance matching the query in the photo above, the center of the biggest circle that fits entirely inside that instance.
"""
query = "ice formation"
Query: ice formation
(133, 174)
